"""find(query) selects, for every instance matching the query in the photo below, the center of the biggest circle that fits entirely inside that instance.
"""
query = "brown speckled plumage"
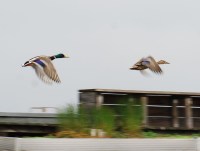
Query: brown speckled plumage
(148, 62)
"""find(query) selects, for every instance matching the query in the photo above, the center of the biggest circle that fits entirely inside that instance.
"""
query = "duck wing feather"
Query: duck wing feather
(41, 74)
(151, 64)
(49, 69)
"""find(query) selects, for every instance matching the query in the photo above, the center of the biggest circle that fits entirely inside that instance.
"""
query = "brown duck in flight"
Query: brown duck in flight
(148, 62)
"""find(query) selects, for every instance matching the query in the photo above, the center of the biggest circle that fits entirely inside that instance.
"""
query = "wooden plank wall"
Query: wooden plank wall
(159, 111)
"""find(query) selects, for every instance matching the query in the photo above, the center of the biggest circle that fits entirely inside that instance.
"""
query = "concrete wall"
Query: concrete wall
(49, 144)
(8, 144)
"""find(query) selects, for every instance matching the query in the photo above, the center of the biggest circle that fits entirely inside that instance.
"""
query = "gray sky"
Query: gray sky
(103, 39)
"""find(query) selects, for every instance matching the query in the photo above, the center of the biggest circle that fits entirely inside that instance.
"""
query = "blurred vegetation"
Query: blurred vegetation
(70, 118)
(103, 118)
(121, 122)
(152, 134)
(132, 118)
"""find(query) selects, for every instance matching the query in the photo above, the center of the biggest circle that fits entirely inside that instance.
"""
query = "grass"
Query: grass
(103, 118)
(71, 118)
(132, 118)
(152, 134)
(77, 122)
(123, 122)
(74, 121)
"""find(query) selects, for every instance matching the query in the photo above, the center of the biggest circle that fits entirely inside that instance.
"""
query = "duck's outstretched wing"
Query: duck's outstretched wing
(41, 74)
(139, 63)
(49, 69)
(151, 64)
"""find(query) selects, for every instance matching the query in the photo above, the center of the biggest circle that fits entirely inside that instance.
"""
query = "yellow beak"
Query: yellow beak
(66, 56)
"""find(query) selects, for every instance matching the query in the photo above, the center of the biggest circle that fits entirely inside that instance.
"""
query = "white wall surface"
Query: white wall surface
(50, 144)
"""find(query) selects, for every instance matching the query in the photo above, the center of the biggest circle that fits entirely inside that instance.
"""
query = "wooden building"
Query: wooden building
(161, 110)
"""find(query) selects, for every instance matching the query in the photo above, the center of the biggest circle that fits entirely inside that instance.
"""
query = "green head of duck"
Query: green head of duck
(60, 55)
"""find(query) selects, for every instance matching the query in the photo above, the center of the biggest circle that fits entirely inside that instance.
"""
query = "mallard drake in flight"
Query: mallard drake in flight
(44, 68)
(148, 62)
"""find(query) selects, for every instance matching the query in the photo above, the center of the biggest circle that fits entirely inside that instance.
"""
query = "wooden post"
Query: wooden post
(144, 101)
(188, 113)
(175, 113)
(99, 100)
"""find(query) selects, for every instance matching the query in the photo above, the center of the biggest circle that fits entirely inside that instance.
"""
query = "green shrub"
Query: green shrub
(103, 118)
(150, 134)
(82, 119)
(71, 118)
(132, 118)
(123, 121)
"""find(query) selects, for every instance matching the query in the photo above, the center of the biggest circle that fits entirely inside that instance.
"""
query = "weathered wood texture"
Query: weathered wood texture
(144, 101)
(175, 113)
(161, 110)
(188, 113)
(117, 91)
